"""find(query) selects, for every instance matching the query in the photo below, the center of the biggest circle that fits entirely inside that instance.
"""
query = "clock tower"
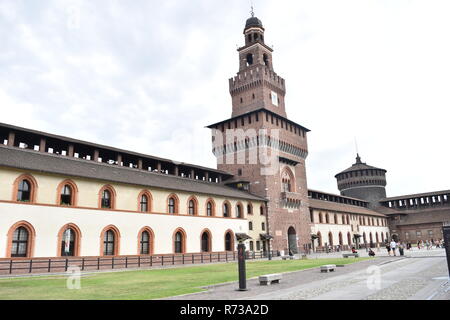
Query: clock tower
(263, 149)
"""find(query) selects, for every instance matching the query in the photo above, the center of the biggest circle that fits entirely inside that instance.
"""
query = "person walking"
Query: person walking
(400, 248)
(393, 246)
(388, 248)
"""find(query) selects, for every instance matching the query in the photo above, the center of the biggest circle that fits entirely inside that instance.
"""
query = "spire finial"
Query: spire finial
(251, 11)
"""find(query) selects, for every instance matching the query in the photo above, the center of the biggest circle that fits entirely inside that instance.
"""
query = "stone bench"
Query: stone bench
(268, 279)
(287, 257)
(327, 268)
(346, 255)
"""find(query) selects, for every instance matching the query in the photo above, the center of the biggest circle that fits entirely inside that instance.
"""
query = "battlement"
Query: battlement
(256, 74)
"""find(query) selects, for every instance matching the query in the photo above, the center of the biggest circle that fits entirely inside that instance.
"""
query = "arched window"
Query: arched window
(364, 237)
(336, 219)
(287, 180)
(226, 209)
(238, 211)
(145, 242)
(229, 245)
(330, 238)
(107, 197)
(66, 195)
(179, 242)
(250, 225)
(192, 206)
(349, 238)
(109, 243)
(68, 243)
(69, 237)
(144, 201)
(143, 205)
(206, 241)
(341, 240)
(210, 208)
(320, 217)
(319, 238)
(327, 218)
(261, 210)
(249, 209)
(24, 191)
(20, 242)
(172, 204)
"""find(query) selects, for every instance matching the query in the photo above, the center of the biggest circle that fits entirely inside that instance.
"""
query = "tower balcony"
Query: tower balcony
(291, 199)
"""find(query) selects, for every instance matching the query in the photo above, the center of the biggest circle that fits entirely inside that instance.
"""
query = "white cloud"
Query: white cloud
(149, 75)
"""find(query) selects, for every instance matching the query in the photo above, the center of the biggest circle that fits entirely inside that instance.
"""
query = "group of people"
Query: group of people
(392, 247)
(429, 244)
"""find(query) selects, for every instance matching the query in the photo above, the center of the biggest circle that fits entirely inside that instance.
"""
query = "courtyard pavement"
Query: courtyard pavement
(419, 275)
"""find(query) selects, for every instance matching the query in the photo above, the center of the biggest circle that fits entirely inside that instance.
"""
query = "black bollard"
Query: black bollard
(446, 236)
(241, 267)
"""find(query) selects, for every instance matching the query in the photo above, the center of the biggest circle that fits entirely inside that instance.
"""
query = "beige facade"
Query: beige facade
(44, 216)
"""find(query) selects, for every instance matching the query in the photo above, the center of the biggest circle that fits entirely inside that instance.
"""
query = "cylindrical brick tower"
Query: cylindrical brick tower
(362, 181)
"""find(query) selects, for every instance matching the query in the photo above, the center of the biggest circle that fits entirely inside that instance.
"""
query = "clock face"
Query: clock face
(274, 98)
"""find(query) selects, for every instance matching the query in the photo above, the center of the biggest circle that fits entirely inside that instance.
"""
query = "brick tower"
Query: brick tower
(261, 147)
(363, 182)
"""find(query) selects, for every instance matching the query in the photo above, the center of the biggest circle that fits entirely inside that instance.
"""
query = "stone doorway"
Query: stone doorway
(292, 240)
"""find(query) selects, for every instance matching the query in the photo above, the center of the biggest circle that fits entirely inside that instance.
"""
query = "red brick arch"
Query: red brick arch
(151, 240)
(176, 203)
(213, 207)
(194, 199)
(74, 188)
(183, 241)
(77, 246)
(150, 201)
(116, 239)
(225, 240)
(33, 185)
(31, 238)
(206, 230)
(113, 193)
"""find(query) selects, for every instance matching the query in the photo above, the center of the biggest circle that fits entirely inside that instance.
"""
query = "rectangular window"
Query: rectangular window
(258, 245)
(263, 226)
(251, 246)
(274, 98)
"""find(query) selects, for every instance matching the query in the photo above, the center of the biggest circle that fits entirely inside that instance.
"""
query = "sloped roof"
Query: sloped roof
(25, 159)
(341, 207)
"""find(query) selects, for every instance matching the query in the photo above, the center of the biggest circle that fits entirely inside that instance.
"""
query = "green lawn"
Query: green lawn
(149, 284)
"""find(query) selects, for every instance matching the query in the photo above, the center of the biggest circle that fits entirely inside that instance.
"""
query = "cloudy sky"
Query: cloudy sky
(149, 75)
